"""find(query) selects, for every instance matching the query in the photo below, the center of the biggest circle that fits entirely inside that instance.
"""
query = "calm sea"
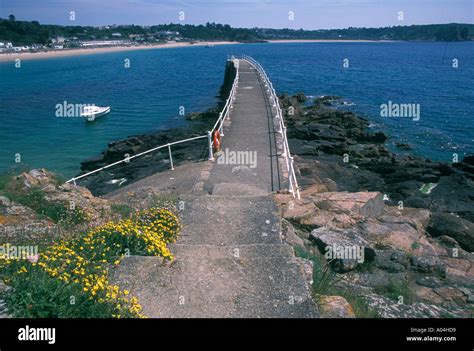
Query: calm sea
(148, 95)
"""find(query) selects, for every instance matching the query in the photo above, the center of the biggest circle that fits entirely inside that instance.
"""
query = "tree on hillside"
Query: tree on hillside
(11, 17)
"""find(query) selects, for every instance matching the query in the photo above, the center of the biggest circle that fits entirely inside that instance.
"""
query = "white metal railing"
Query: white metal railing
(293, 183)
(219, 125)
(225, 113)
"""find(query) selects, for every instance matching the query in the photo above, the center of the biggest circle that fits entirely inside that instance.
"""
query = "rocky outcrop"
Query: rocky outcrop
(17, 220)
(330, 143)
(455, 227)
(335, 307)
(46, 195)
(384, 255)
(403, 225)
(65, 193)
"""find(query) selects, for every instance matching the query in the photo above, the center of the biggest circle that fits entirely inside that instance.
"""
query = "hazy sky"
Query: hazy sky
(308, 14)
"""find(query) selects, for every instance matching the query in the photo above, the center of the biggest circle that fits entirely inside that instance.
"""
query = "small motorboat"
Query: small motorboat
(92, 112)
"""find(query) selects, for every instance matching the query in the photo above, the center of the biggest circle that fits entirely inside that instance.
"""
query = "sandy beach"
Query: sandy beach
(76, 52)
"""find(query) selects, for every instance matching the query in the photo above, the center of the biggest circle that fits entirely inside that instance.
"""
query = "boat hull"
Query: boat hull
(92, 117)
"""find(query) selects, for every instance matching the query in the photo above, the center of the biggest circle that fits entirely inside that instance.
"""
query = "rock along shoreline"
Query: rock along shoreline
(399, 228)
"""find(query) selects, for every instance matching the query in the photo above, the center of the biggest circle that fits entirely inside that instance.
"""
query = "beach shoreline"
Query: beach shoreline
(89, 51)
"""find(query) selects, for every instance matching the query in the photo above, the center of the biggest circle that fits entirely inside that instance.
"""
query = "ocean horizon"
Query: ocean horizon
(152, 92)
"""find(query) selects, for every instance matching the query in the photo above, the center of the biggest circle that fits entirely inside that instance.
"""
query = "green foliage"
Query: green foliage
(325, 283)
(415, 245)
(396, 289)
(359, 305)
(39, 295)
(123, 210)
(70, 278)
(25, 33)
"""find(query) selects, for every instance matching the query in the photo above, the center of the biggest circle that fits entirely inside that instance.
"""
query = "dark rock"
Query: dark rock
(378, 137)
(450, 225)
(400, 257)
(468, 160)
(403, 146)
(429, 281)
(301, 97)
(326, 100)
(383, 260)
(428, 264)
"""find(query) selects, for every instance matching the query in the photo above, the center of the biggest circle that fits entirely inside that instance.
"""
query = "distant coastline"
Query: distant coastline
(5, 57)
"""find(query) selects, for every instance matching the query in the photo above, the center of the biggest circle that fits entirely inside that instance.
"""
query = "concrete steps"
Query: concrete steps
(224, 265)
(212, 282)
(222, 220)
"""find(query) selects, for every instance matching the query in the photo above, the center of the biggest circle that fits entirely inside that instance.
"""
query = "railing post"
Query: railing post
(171, 157)
(209, 139)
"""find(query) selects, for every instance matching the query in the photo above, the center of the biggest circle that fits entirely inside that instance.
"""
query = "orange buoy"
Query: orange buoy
(217, 140)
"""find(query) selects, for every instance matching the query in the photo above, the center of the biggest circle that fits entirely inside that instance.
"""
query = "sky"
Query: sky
(306, 14)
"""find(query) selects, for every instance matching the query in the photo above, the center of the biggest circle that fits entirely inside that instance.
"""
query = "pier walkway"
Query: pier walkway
(230, 259)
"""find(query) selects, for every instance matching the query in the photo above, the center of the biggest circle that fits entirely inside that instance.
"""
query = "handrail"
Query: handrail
(228, 104)
(127, 159)
(222, 116)
(293, 183)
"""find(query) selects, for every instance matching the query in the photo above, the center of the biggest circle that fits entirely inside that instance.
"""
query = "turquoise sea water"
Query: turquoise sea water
(148, 95)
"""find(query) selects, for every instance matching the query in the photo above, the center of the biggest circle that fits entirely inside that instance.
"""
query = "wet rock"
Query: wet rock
(403, 146)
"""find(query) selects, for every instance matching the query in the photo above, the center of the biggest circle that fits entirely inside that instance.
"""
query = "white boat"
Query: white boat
(92, 112)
